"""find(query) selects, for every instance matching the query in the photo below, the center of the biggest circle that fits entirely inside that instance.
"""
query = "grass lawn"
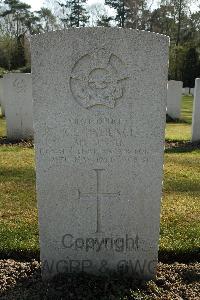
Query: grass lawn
(180, 219)
(18, 222)
(2, 127)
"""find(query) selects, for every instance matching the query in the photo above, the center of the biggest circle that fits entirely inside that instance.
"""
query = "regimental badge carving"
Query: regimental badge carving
(99, 79)
(19, 84)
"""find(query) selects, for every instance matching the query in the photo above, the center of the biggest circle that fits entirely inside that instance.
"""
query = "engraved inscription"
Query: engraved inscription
(98, 195)
(98, 79)
(97, 141)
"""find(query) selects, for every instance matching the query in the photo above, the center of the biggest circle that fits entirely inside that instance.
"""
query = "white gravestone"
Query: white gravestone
(99, 116)
(17, 89)
(187, 90)
(2, 98)
(174, 96)
(192, 91)
(196, 112)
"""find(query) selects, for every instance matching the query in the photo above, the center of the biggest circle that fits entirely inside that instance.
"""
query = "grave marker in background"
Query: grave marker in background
(196, 112)
(17, 90)
(99, 117)
(2, 98)
(187, 90)
(192, 91)
(174, 96)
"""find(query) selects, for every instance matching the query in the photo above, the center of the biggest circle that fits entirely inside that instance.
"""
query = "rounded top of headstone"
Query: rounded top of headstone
(105, 30)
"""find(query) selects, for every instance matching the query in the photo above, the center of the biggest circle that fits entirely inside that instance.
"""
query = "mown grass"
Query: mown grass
(180, 219)
(186, 109)
(181, 131)
(18, 223)
(2, 126)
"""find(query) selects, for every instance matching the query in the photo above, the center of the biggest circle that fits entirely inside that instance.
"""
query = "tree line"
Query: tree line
(171, 17)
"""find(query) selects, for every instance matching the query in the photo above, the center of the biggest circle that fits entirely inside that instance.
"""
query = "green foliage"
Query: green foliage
(74, 13)
(78, 15)
(176, 58)
(12, 53)
(184, 64)
(122, 10)
(2, 72)
(17, 21)
(104, 21)
(46, 20)
(191, 68)
(171, 17)
(25, 69)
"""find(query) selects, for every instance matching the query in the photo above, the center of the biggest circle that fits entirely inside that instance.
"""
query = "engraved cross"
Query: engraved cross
(98, 195)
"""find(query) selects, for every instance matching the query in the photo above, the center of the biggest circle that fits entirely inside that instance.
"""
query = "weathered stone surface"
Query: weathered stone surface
(196, 112)
(99, 116)
(1, 98)
(17, 92)
(187, 90)
(174, 96)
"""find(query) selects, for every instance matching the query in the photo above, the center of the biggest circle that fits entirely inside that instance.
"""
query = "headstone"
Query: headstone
(196, 112)
(17, 89)
(99, 115)
(174, 96)
(192, 91)
(2, 98)
(187, 90)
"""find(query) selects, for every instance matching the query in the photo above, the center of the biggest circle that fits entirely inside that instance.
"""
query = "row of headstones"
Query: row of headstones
(99, 97)
(188, 91)
(174, 96)
(16, 104)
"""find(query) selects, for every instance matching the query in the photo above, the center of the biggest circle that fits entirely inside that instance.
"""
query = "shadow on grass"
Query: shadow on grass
(163, 255)
(181, 185)
(172, 256)
(17, 142)
(179, 121)
(22, 255)
(176, 146)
